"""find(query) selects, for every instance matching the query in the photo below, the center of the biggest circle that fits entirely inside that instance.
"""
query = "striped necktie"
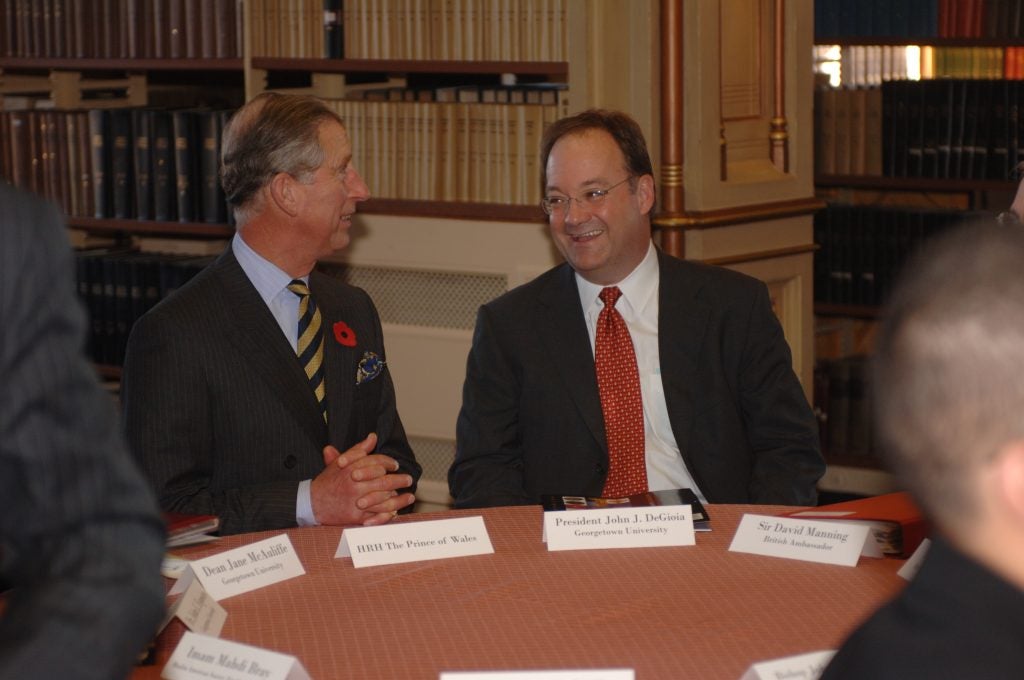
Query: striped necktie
(310, 345)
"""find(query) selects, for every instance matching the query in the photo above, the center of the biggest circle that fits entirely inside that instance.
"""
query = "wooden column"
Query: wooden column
(671, 194)
(779, 134)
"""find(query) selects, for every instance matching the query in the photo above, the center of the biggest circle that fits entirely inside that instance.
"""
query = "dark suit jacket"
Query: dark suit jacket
(956, 619)
(531, 420)
(220, 413)
(80, 537)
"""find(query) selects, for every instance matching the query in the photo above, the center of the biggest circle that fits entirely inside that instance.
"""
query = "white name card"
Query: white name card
(415, 541)
(200, 656)
(588, 674)
(800, 539)
(198, 611)
(800, 667)
(243, 569)
(646, 527)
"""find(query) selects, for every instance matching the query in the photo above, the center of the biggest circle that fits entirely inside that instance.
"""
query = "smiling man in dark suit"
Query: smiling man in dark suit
(702, 392)
(242, 390)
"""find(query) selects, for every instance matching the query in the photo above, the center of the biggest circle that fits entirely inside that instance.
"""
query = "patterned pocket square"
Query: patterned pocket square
(370, 366)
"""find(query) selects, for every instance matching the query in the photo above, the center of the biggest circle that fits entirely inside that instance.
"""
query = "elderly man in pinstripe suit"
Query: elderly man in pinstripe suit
(80, 536)
(234, 403)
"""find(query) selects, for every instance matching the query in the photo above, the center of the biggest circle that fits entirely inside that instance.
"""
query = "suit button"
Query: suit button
(290, 461)
(600, 468)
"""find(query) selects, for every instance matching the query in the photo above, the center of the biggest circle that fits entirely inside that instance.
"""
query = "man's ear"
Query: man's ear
(284, 192)
(645, 193)
(1009, 480)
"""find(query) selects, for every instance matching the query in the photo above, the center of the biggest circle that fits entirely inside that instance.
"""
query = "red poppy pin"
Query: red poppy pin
(344, 335)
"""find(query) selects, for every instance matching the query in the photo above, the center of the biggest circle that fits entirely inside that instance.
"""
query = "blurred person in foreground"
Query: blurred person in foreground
(949, 376)
(80, 536)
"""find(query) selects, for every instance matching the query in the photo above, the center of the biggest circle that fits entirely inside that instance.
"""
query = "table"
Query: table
(679, 612)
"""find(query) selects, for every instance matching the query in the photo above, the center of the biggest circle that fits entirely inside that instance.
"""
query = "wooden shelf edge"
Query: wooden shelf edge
(856, 311)
(500, 212)
(921, 41)
(151, 227)
(915, 183)
(470, 211)
(190, 64)
(108, 372)
(544, 68)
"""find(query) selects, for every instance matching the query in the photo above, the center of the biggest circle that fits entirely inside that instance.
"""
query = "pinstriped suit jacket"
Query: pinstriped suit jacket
(219, 411)
(80, 537)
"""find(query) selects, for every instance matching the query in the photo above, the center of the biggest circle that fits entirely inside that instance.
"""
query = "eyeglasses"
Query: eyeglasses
(590, 200)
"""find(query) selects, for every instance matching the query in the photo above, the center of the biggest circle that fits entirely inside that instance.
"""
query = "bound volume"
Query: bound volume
(701, 521)
(184, 529)
(894, 518)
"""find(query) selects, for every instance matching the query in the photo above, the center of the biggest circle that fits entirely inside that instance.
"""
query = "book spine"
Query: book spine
(142, 163)
(185, 150)
(162, 149)
(99, 141)
(121, 152)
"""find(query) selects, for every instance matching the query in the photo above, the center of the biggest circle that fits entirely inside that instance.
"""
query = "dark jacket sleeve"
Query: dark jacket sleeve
(780, 426)
(488, 466)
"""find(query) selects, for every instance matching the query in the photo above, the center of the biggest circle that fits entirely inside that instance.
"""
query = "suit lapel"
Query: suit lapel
(251, 328)
(682, 324)
(566, 342)
(340, 361)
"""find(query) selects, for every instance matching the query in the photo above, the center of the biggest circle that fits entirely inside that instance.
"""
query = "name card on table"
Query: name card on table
(588, 674)
(800, 667)
(198, 611)
(238, 571)
(800, 539)
(415, 541)
(200, 656)
(619, 528)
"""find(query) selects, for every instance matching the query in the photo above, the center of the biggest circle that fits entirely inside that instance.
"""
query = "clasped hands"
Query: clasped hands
(359, 486)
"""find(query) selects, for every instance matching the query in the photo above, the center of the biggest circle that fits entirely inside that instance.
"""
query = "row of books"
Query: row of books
(128, 163)
(973, 62)
(481, 30)
(861, 249)
(868, 64)
(861, 65)
(957, 129)
(119, 285)
(919, 19)
(848, 131)
(296, 29)
(125, 29)
(484, 153)
(842, 402)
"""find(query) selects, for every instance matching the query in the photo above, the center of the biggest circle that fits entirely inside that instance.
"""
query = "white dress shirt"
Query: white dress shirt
(272, 285)
(638, 307)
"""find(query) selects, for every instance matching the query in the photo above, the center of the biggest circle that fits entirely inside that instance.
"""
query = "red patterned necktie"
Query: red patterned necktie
(618, 382)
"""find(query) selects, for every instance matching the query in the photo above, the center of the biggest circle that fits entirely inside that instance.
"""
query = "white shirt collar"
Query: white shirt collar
(268, 279)
(637, 288)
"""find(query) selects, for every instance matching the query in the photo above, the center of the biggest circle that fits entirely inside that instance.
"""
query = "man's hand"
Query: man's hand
(358, 486)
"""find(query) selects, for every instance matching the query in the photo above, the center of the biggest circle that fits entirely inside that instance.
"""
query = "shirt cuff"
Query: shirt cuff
(304, 506)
